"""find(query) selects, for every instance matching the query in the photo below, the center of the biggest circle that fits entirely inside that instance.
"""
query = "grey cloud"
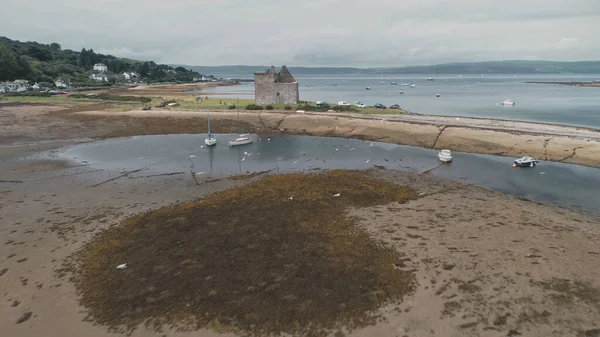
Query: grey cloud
(313, 32)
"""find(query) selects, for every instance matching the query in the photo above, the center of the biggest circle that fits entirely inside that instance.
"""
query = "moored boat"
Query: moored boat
(526, 161)
(445, 156)
(240, 141)
(210, 140)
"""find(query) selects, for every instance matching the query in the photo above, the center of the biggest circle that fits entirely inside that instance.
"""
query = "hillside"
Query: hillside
(493, 67)
(44, 63)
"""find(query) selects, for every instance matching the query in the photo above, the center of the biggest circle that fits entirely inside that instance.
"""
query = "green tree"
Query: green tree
(23, 69)
(8, 63)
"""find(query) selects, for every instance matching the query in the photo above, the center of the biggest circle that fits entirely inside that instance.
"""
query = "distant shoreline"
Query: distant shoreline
(592, 84)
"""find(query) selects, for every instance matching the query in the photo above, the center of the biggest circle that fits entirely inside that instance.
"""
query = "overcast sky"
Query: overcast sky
(313, 32)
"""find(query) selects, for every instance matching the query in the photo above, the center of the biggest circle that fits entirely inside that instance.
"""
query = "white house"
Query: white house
(129, 76)
(61, 83)
(2, 88)
(13, 87)
(100, 67)
(99, 77)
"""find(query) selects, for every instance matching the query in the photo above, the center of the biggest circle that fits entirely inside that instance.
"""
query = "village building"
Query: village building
(100, 67)
(99, 77)
(14, 87)
(61, 83)
(271, 87)
(129, 76)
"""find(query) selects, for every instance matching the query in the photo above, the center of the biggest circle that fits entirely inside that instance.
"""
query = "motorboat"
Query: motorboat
(240, 141)
(429, 79)
(526, 161)
(413, 85)
(335, 84)
(508, 102)
(210, 140)
(394, 83)
(241, 138)
(445, 156)
(401, 92)
(368, 88)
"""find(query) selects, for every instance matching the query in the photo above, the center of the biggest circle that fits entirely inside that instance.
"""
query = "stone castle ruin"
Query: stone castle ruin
(271, 87)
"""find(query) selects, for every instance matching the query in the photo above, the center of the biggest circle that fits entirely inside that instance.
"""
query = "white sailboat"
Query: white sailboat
(241, 139)
(210, 140)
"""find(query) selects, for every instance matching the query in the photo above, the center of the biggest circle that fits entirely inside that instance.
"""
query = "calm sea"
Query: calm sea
(468, 95)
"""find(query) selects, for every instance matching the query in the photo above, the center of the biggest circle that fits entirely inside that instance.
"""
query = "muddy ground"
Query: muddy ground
(485, 264)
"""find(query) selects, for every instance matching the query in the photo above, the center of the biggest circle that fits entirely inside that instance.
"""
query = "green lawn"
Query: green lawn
(185, 103)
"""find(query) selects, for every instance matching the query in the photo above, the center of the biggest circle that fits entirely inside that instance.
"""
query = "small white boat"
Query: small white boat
(445, 156)
(394, 83)
(508, 102)
(429, 79)
(401, 92)
(240, 141)
(210, 141)
(526, 161)
(335, 84)
(368, 88)
(412, 85)
(241, 138)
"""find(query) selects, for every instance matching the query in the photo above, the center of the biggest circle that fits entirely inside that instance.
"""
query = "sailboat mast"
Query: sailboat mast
(209, 133)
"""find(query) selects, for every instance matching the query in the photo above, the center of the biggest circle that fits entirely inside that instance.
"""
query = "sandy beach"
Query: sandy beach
(483, 263)
(507, 138)
(479, 271)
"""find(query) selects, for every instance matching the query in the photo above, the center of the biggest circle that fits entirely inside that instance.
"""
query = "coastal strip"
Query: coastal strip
(592, 84)
(484, 136)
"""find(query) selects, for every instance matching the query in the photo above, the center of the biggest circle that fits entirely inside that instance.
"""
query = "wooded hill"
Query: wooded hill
(44, 63)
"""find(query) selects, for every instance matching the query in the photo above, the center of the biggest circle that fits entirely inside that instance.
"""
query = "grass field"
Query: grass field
(186, 102)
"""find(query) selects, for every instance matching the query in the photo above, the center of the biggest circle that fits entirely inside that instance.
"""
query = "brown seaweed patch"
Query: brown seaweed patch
(248, 260)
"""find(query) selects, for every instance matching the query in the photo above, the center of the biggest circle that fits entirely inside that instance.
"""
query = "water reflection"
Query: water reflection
(562, 184)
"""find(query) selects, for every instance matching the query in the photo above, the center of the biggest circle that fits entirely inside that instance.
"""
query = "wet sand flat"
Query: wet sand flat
(486, 264)
(484, 136)
(546, 142)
